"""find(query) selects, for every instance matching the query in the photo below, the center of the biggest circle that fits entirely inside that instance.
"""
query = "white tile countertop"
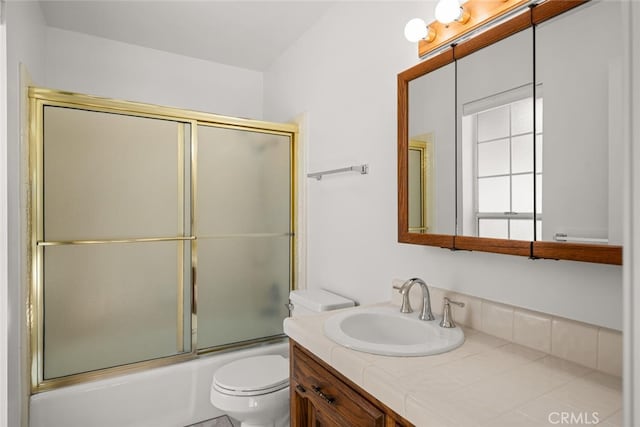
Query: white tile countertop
(488, 381)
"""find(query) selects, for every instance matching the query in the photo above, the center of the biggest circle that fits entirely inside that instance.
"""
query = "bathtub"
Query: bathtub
(171, 396)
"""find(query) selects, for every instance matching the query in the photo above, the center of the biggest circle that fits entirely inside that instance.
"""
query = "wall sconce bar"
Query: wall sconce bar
(479, 12)
(363, 169)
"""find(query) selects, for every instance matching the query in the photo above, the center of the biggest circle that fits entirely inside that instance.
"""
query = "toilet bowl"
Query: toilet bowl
(255, 390)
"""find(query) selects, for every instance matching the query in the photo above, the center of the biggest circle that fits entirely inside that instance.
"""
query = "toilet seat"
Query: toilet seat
(253, 376)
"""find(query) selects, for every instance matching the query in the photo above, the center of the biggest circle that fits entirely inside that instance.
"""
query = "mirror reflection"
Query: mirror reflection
(431, 171)
(536, 120)
(580, 71)
(420, 196)
(497, 140)
(496, 134)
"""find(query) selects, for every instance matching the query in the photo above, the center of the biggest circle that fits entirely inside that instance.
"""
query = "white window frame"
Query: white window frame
(482, 105)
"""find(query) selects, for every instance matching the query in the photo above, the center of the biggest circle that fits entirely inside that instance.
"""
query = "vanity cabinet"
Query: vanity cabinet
(321, 396)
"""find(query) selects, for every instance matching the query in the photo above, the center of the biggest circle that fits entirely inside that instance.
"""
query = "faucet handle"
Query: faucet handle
(447, 319)
(450, 301)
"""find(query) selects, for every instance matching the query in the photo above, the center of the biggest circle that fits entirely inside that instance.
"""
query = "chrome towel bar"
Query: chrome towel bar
(363, 169)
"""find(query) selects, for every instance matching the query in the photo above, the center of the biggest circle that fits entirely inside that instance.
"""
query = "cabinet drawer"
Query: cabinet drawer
(331, 396)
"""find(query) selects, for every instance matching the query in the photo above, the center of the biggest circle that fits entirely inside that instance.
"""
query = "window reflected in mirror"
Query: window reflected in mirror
(497, 141)
(496, 166)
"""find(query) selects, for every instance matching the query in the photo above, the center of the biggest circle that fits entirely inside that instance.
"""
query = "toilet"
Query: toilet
(255, 390)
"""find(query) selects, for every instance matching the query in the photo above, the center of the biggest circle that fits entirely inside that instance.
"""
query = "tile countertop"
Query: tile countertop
(487, 381)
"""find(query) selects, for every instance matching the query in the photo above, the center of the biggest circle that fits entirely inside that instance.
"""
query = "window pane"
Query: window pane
(495, 228)
(522, 116)
(493, 124)
(493, 194)
(243, 182)
(539, 230)
(538, 193)
(539, 115)
(243, 285)
(522, 153)
(109, 176)
(493, 158)
(113, 304)
(539, 153)
(521, 229)
(522, 187)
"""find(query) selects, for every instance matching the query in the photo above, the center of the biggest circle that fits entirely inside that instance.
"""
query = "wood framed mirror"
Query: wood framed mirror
(480, 104)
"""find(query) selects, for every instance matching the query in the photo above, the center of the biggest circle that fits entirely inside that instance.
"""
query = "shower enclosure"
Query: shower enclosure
(157, 234)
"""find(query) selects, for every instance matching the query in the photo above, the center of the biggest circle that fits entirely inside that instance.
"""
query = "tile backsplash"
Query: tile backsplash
(588, 345)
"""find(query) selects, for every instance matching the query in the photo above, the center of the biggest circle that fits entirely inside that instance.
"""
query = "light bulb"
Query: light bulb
(415, 30)
(447, 11)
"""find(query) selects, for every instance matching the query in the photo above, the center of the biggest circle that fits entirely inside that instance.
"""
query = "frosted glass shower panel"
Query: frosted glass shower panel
(243, 286)
(110, 176)
(243, 182)
(114, 304)
(244, 234)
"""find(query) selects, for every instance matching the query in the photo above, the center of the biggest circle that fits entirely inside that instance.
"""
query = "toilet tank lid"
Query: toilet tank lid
(319, 300)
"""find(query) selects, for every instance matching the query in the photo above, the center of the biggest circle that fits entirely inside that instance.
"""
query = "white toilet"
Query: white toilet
(255, 390)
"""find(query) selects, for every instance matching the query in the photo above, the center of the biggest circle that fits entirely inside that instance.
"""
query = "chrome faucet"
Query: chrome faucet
(426, 313)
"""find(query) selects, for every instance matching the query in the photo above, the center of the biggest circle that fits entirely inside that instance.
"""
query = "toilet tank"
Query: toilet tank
(304, 302)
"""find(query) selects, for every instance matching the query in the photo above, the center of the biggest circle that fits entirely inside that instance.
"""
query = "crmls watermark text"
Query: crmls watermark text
(579, 418)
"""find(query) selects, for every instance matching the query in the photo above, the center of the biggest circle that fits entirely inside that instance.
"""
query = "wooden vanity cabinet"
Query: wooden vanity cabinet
(321, 396)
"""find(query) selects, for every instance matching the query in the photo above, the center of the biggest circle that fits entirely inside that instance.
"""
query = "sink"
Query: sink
(386, 331)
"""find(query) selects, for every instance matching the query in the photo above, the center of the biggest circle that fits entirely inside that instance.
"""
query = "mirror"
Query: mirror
(476, 181)
(495, 144)
(580, 72)
(431, 152)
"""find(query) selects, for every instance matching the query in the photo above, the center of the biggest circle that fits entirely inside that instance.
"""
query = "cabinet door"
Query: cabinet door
(322, 419)
(330, 401)
(304, 414)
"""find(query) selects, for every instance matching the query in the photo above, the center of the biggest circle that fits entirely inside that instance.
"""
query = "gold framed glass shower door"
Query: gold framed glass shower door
(117, 241)
(245, 234)
(111, 269)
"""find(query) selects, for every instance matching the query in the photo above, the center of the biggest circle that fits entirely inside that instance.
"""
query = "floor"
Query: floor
(222, 421)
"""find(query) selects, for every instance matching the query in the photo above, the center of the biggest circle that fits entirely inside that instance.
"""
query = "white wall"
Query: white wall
(631, 299)
(96, 66)
(3, 223)
(25, 42)
(342, 73)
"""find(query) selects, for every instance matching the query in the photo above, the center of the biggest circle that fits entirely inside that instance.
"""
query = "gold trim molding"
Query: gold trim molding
(149, 110)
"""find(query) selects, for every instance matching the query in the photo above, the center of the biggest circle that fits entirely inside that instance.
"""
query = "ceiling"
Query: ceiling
(247, 34)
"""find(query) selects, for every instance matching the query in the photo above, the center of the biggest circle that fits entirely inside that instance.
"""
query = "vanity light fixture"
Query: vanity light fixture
(458, 18)
(447, 11)
(416, 30)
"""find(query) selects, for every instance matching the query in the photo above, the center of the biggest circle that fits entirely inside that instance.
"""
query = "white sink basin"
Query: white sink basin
(386, 331)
